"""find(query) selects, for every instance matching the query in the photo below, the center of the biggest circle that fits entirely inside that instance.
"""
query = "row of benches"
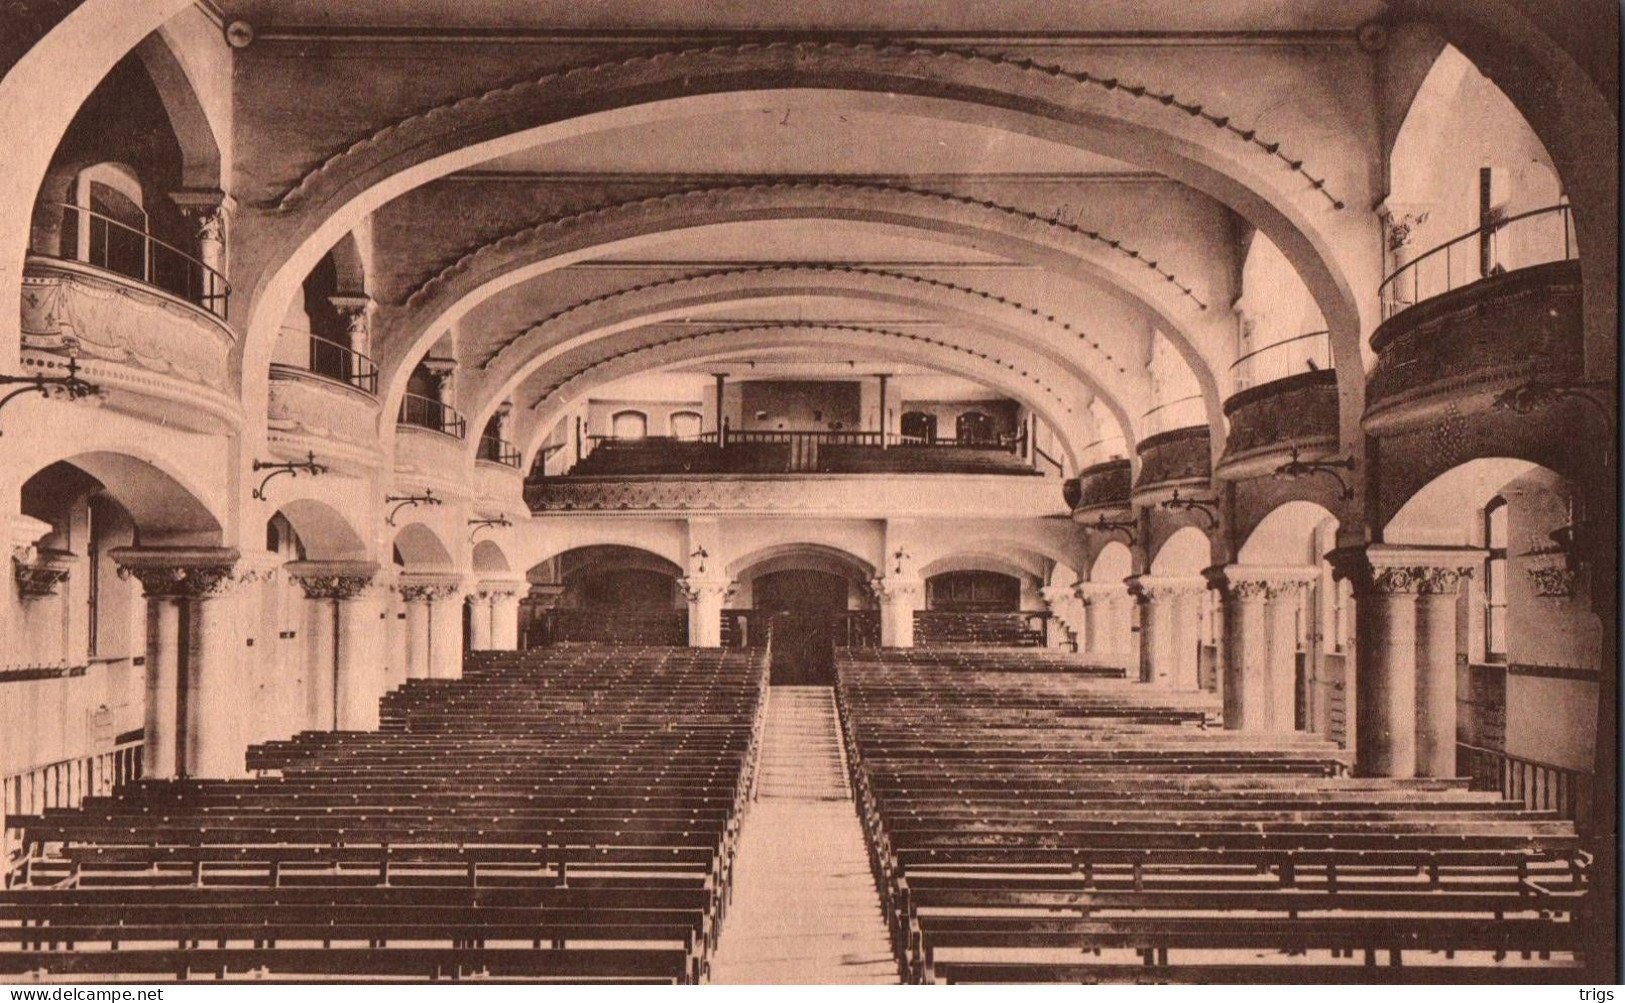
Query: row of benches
(1032, 819)
(568, 814)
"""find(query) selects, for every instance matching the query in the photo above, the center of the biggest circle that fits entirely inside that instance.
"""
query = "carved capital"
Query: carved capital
(1552, 582)
(1392, 570)
(895, 588)
(1244, 583)
(703, 589)
(428, 591)
(356, 312)
(207, 211)
(341, 587)
(1147, 588)
(181, 573)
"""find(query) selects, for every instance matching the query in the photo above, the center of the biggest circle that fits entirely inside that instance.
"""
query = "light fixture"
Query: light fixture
(1207, 508)
(1125, 526)
(71, 386)
(1297, 468)
(501, 521)
(409, 501)
(292, 469)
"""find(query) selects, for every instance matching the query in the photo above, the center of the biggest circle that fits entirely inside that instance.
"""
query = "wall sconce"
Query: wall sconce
(292, 469)
(408, 501)
(1296, 468)
(1207, 508)
(70, 386)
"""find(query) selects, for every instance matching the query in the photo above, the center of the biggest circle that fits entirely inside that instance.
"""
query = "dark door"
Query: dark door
(975, 428)
(919, 426)
(806, 607)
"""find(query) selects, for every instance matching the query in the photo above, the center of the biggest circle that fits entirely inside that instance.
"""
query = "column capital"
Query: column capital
(428, 589)
(1154, 587)
(1259, 581)
(1385, 569)
(545, 596)
(206, 208)
(700, 589)
(332, 579)
(895, 588)
(1057, 593)
(1091, 592)
(180, 572)
(355, 310)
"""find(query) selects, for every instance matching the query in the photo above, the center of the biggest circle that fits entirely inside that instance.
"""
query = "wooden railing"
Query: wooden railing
(66, 784)
(104, 242)
(1542, 236)
(1540, 786)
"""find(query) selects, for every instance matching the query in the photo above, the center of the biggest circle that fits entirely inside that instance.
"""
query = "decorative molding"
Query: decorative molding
(691, 200)
(907, 57)
(1385, 569)
(1552, 581)
(894, 589)
(428, 591)
(955, 495)
(703, 589)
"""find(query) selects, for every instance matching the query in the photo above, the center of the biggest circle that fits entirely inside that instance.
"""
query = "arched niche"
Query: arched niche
(488, 557)
(1287, 536)
(419, 548)
(1114, 563)
(323, 532)
(1184, 554)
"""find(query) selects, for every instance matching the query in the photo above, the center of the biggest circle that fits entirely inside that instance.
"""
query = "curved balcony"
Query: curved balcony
(104, 243)
(1538, 237)
(426, 412)
(327, 406)
(1287, 398)
(1100, 489)
(156, 355)
(1453, 352)
(1180, 458)
(499, 473)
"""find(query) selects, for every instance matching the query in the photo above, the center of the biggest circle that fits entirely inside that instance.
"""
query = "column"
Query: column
(361, 680)
(505, 620)
(1436, 606)
(207, 211)
(479, 608)
(446, 633)
(900, 596)
(356, 312)
(321, 654)
(191, 657)
(883, 377)
(722, 380)
(1285, 600)
(1405, 648)
(416, 598)
(705, 599)
(216, 704)
(1099, 639)
(394, 637)
(1066, 615)
(1245, 669)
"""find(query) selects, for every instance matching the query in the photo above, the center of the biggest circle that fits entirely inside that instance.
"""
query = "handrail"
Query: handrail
(162, 265)
(64, 784)
(341, 362)
(498, 450)
(1052, 461)
(1539, 785)
(1321, 360)
(1485, 263)
(426, 412)
(1167, 416)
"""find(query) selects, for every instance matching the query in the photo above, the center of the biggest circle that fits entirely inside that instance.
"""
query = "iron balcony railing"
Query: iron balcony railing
(1537, 237)
(1305, 353)
(1112, 447)
(342, 363)
(425, 412)
(108, 244)
(495, 450)
(1181, 413)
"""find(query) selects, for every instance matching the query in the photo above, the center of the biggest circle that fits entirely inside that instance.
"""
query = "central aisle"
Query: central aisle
(805, 910)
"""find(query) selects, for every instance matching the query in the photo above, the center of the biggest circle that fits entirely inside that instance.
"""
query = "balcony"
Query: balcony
(836, 495)
(1286, 397)
(802, 453)
(326, 403)
(429, 449)
(1172, 460)
(143, 318)
(1102, 489)
(426, 412)
(499, 473)
(1472, 318)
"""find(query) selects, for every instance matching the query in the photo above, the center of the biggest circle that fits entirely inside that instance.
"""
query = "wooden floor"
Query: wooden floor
(805, 908)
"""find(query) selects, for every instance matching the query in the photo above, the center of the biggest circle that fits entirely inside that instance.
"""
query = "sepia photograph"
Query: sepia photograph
(808, 493)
